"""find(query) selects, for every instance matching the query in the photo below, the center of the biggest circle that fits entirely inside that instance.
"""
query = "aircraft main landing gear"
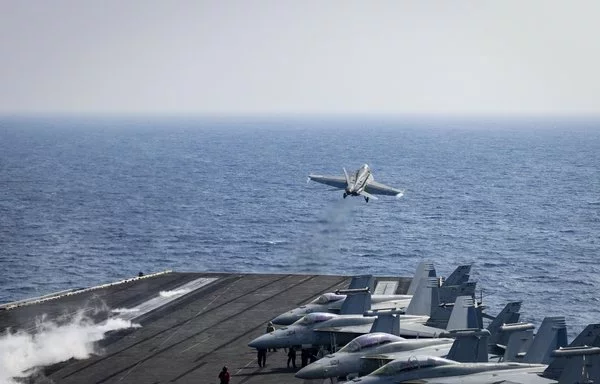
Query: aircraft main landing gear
(345, 194)
(366, 199)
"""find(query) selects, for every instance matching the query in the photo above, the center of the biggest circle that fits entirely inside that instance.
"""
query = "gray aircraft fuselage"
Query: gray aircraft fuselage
(304, 333)
(361, 178)
(350, 358)
(378, 302)
(413, 370)
(313, 329)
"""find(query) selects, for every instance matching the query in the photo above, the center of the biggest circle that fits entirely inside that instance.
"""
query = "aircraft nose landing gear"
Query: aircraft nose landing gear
(345, 194)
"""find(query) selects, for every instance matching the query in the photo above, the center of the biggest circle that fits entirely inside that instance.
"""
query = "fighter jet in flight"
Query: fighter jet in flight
(360, 183)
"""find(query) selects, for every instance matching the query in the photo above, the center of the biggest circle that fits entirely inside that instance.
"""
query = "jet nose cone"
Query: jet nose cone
(311, 372)
(285, 319)
(260, 342)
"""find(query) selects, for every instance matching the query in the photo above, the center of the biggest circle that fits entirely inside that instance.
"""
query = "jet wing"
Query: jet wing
(335, 181)
(376, 188)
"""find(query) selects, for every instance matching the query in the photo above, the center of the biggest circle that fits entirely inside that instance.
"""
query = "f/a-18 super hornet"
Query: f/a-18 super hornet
(578, 363)
(328, 329)
(360, 183)
(354, 358)
(333, 302)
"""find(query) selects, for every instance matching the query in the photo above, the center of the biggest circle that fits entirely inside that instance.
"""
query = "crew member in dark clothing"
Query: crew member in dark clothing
(224, 376)
(313, 355)
(262, 357)
(271, 328)
(291, 357)
(304, 355)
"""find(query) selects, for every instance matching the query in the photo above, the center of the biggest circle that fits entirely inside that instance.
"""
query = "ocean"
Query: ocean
(85, 201)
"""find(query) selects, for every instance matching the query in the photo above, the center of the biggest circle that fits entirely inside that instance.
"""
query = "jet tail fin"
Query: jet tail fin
(362, 281)
(424, 298)
(590, 336)
(520, 337)
(470, 346)
(347, 177)
(460, 275)
(424, 269)
(386, 321)
(358, 301)
(449, 293)
(552, 335)
(464, 315)
(578, 365)
(509, 315)
(441, 310)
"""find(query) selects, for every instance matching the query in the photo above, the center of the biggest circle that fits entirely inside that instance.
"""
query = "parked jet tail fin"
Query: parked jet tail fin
(470, 346)
(464, 315)
(449, 293)
(387, 321)
(552, 335)
(520, 337)
(590, 336)
(508, 315)
(357, 302)
(442, 310)
(575, 365)
(424, 269)
(425, 298)
(362, 281)
(460, 275)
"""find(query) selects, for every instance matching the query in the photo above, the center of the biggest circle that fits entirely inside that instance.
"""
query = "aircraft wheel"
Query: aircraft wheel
(345, 195)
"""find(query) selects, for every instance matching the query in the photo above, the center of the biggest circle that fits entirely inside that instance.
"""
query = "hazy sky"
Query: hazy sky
(246, 57)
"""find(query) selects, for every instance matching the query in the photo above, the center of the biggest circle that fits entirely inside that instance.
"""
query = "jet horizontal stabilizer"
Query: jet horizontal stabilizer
(352, 291)
(384, 312)
(576, 351)
(474, 332)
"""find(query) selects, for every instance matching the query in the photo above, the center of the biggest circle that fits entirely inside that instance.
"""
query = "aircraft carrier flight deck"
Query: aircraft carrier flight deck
(191, 325)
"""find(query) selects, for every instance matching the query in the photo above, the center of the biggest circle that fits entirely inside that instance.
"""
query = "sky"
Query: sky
(246, 57)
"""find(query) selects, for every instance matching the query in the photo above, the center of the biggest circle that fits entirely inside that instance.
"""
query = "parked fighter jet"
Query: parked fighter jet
(332, 302)
(570, 365)
(360, 183)
(351, 358)
(551, 336)
(331, 329)
(567, 367)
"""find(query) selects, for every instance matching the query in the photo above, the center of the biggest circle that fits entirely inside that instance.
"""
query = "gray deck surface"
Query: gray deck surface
(189, 339)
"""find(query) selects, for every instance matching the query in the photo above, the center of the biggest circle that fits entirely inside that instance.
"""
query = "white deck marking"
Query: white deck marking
(164, 298)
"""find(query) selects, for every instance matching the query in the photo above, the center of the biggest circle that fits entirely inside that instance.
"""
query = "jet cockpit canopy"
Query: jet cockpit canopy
(369, 340)
(397, 367)
(314, 318)
(328, 298)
